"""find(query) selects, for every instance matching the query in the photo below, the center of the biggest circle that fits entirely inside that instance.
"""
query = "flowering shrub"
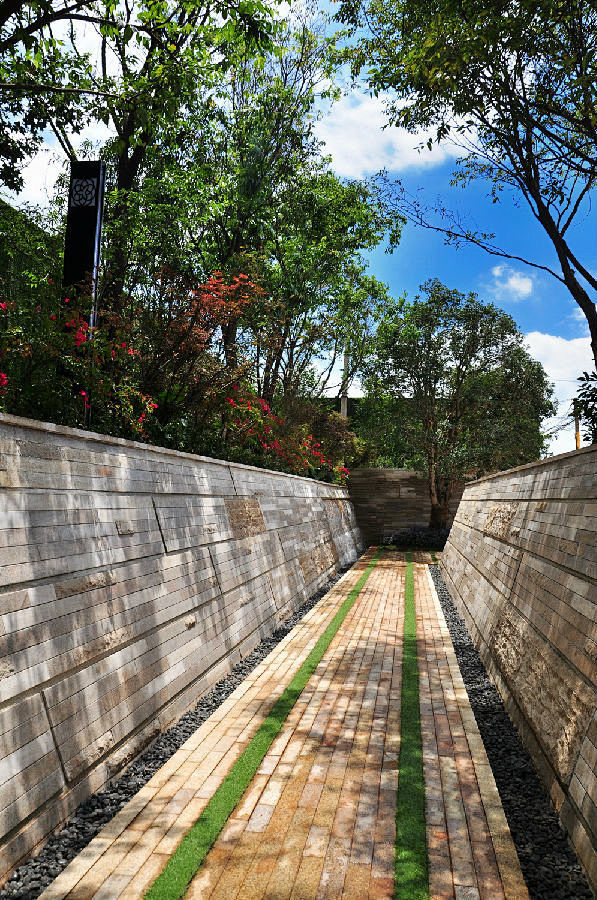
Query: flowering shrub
(275, 442)
(159, 374)
(55, 369)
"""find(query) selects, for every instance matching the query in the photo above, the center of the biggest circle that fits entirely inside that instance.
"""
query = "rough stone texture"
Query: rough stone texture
(131, 579)
(389, 500)
(521, 567)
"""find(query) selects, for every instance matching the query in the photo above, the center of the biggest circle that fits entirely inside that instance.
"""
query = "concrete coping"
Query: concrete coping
(533, 465)
(93, 436)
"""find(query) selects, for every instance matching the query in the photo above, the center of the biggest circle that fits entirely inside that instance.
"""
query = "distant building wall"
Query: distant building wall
(132, 578)
(388, 500)
(521, 565)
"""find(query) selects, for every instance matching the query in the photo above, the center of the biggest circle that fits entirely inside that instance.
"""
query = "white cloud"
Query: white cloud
(39, 178)
(578, 316)
(40, 174)
(563, 360)
(509, 284)
(359, 145)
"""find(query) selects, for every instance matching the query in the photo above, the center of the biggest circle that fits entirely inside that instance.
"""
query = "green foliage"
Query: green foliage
(29, 255)
(231, 253)
(587, 405)
(452, 391)
(151, 56)
(53, 371)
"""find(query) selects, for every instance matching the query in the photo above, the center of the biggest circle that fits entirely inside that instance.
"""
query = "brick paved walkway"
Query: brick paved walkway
(318, 820)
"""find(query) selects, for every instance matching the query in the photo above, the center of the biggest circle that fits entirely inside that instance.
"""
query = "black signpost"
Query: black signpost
(84, 223)
(83, 235)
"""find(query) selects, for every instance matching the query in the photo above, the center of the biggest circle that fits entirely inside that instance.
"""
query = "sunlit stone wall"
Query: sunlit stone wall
(521, 565)
(132, 578)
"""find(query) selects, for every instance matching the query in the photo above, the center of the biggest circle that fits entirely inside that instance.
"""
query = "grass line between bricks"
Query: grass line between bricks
(411, 868)
(186, 860)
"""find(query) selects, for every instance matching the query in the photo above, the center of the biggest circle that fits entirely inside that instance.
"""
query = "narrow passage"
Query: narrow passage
(323, 807)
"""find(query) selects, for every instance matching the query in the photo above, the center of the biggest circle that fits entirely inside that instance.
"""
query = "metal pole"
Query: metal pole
(83, 238)
(344, 396)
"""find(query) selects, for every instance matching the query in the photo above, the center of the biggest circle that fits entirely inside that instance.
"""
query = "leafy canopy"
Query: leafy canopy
(452, 392)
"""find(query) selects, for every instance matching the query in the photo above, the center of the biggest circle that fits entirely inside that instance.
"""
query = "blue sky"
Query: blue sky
(555, 329)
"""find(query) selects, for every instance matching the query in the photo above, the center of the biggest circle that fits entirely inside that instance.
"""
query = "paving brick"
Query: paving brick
(318, 820)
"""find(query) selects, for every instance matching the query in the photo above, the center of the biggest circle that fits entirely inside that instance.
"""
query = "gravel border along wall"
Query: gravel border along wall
(548, 862)
(33, 876)
(549, 865)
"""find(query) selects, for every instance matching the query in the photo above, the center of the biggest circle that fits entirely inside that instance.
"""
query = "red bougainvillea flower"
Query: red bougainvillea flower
(3, 305)
(81, 333)
(3, 380)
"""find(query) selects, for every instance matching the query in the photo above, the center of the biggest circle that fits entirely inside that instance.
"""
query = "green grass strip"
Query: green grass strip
(411, 872)
(434, 557)
(185, 862)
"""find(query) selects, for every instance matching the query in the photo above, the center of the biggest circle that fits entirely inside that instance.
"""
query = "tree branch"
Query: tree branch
(52, 88)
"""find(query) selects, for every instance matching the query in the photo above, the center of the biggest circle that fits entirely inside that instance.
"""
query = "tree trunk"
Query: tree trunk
(440, 492)
(440, 516)
(229, 334)
(127, 170)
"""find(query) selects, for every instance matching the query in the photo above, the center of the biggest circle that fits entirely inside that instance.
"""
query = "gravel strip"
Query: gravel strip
(33, 876)
(549, 865)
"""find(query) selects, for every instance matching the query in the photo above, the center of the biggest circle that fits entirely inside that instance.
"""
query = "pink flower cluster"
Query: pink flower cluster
(256, 426)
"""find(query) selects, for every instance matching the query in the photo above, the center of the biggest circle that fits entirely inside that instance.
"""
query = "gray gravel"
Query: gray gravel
(549, 865)
(33, 876)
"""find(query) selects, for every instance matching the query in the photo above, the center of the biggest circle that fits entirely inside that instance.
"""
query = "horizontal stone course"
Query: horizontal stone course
(390, 500)
(131, 579)
(521, 565)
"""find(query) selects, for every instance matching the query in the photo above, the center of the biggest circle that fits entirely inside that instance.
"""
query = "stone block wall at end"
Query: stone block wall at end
(390, 500)
(132, 578)
(521, 566)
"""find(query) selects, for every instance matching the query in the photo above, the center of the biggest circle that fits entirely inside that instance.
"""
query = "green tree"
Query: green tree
(233, 261)
(516, 85)
(586, 405)
(253, 195)
(460, 395)
(323, 293)
(30, 253)
(150, 57)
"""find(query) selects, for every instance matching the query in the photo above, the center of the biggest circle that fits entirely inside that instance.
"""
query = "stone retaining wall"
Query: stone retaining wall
(132, 578)
(389, 500)
(521, 565)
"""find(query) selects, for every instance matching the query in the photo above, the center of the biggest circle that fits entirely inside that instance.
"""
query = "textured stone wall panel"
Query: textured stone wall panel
(389, 500)
(521, 565)
(131, 580)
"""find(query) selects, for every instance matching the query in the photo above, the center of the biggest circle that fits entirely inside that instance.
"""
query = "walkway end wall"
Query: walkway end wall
(521, 566)
(390, 500)
(132, 578)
